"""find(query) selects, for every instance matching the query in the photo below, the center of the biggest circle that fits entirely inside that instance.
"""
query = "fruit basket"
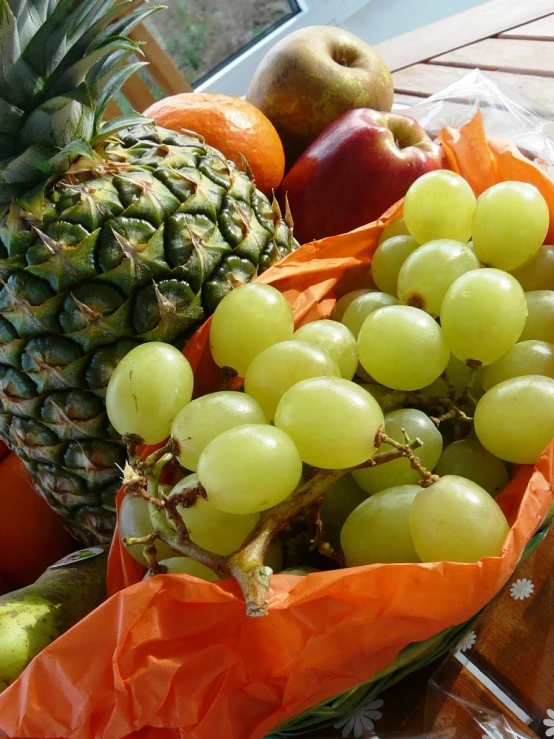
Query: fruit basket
(332, 640)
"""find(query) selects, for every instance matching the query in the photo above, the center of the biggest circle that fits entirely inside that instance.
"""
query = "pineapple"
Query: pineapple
(111, 234)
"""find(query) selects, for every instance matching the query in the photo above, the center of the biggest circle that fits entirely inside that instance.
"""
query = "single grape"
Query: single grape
(455, 520)
(208, 416)
(133, 520)
(340, 500)
(429, 271)
(378, 530)
(510, 223)
(249, 468)
(525, 358)
(299, 571)
(187, 566)
(540, 319)
(388, 260)
(396, 227)
(514, 420)
(399, 471)
(248, 320)
(402, 347)
(439, 205)
(335, 338)
(211, 528)
(362, 307)
(281, 366)
(483, 314)
(468, 458)
(342, 303)
(332, 421)
(538, 272)
(148, 388)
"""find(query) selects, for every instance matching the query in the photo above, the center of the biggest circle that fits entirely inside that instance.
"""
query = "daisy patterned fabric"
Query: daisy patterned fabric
(522, 589)
(362, 721)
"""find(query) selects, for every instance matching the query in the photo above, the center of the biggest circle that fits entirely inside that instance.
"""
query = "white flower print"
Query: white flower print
(549, 721)
(521, 589)
(361, 719)
(467, 641)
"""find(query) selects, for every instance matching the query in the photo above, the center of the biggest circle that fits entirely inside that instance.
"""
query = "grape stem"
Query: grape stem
(397, 398)
(246, 565)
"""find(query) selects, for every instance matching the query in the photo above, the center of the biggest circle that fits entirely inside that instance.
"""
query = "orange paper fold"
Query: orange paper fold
(174, 657)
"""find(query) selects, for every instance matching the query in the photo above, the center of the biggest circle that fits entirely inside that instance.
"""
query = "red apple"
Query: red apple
(357, 167)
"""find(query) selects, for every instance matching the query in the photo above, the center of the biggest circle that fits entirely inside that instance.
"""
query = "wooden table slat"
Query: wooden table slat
(488, 19)
(423, 80)
(543, 29)
(508, 55)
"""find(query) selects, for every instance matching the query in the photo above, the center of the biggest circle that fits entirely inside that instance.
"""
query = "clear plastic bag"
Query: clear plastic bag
(506, 113)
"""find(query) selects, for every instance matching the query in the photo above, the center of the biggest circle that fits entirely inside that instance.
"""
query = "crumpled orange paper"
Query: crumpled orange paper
(174, 657)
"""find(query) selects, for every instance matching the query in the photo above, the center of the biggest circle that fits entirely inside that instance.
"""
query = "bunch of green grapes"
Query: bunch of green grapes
(456, 322)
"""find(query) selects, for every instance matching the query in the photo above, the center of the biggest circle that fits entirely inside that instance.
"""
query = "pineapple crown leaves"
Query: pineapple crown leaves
(60, 65)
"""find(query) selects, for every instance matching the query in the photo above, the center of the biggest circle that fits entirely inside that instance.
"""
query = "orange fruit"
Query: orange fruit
(32, 536)
(230, 124)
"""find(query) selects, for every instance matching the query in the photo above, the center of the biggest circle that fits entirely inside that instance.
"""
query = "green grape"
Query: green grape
(187, 566)
(439, 205)
(249, 468)
(399, 471)
(340, 500)
(525, 358)
(459, 375)
(335, 338)
(388, 260)
(402, 347)
(514, 420)
(299, 571)
(248, 320)
(342, 303)
(540, 319)
(148, 388)
(427, 274)
(281, 366)
(538, 272)
(211, 528)
(510, 223)
(133, 520)
(205, 418)
(468, 458)
(332, 421)
(455, 520)
(396, 227)
(378, 530)
(360, 309)
(483, 314)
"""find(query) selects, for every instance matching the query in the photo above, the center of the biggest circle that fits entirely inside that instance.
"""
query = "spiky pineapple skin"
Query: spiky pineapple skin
(140, 245)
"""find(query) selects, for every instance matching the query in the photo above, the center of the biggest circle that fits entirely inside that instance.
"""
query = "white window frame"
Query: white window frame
(234, 78)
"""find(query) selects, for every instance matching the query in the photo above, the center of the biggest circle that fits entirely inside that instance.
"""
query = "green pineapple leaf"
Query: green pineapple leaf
(106, 91)
(63, 159)
(118, 124)
(19, 83)
(62, 29)
(76, 74)
(10, 118)
(31, 15)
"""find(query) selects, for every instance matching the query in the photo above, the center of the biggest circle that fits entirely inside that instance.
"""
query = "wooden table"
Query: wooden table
(505, 663)
(510, 39)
